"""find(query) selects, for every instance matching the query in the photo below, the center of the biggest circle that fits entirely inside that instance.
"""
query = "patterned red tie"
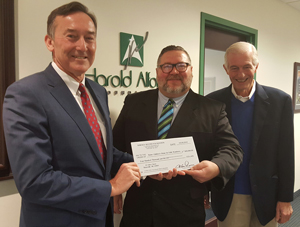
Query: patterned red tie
(91, 118)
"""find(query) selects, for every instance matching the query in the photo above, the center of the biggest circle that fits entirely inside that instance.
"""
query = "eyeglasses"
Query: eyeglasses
(181, 67)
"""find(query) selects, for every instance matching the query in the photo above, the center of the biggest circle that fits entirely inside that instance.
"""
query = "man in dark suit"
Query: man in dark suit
(262, 118)
(177, 201)
(56, 158)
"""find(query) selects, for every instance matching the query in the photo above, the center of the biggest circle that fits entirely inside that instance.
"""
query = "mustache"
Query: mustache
(174, 77)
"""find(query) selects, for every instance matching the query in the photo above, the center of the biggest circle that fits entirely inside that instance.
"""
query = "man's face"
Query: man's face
(74, 44)
(174, 84)
(241, 72)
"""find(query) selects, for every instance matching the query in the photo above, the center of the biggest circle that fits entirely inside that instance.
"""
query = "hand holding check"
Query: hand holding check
(203, 171)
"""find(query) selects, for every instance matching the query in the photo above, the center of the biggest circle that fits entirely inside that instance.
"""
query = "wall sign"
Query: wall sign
(132, 49)
(124, 79)
(131, 54)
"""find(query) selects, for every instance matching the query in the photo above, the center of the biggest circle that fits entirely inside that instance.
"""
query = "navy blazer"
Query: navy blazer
(179, 201)
(55, 161)
(272, 156)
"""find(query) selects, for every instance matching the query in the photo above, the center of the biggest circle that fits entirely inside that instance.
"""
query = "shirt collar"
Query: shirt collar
(71, 83)
(244, 99)
(178, 100)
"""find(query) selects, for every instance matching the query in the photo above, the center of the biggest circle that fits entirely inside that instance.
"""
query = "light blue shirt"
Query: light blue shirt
(162, 100)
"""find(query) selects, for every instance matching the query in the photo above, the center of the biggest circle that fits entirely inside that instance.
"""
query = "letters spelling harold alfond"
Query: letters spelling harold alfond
(155, 156)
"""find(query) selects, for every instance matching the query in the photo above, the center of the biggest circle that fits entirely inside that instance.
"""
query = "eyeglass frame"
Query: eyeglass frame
(175, 65)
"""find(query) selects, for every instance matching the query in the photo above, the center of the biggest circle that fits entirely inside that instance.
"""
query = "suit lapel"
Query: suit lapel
(261, 108)
(184, 117)
(100, 101)
(64, 97)
(150, 114)
(227, 100)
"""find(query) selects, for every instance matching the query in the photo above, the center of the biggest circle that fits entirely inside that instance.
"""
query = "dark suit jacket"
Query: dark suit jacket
(272, 160)
(53, 153)
(177, 202)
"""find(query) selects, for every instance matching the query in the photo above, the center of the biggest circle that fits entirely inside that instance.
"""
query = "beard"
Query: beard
(185, 84)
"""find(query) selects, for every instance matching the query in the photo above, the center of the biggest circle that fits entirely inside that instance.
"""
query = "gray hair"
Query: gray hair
(242, 47)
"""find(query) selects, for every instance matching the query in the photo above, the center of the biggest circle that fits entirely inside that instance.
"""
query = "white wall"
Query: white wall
(168, 22)
(213, 70)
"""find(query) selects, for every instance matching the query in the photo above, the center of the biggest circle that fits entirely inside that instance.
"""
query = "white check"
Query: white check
(155, 156)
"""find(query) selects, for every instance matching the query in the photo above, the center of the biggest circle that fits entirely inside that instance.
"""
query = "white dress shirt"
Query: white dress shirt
(73, 86)
(241, 98)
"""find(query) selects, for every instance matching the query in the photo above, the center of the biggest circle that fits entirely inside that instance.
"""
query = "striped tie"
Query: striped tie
(164, 122)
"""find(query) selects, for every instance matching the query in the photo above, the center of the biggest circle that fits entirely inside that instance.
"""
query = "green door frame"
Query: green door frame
(225, 25)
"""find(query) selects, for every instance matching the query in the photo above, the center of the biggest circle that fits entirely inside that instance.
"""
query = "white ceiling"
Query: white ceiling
(293, 3)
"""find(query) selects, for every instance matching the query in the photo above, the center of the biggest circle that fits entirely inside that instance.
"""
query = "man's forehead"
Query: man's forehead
(240, 63)
(239, 58)
(174, 55)
(71, 24)
(75, 17)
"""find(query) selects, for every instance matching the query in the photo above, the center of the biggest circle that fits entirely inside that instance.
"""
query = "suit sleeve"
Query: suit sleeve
(285, 156)
(229, 154)
(30, 150)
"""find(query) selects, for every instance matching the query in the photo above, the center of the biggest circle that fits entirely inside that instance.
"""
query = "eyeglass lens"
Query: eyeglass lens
(181, 67)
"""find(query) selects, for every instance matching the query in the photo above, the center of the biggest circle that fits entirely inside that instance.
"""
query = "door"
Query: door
(216, 36)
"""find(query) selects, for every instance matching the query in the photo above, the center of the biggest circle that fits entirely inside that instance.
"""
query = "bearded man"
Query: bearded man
(176, 200)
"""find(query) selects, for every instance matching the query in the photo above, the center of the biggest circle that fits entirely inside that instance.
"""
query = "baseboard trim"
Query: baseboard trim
(211, 222)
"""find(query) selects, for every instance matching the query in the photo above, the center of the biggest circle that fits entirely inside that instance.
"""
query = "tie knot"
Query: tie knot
(82, 88)
(170, 102)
